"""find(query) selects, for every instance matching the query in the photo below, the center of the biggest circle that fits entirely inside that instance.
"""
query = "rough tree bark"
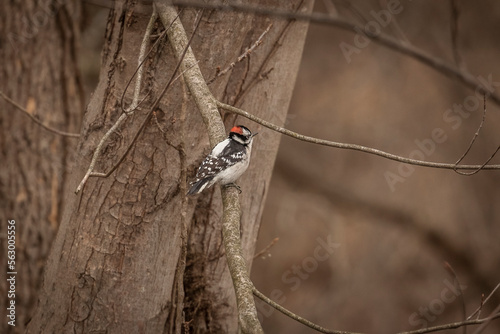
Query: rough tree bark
(133, 254)
(38, 70)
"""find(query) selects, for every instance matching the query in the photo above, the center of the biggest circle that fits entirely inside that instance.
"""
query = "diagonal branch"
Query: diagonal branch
(245, 55)
(470, 146)
(484, 321)
(36, 120)
(131, 110)
(453, 325)
(483, 326)
(455, 13)
(483, 302)
(473, 138)
(127, 113)
(207, 106)
(296, 317)
(458, 286)
(347, 146)
(383, 39)
(140, 68)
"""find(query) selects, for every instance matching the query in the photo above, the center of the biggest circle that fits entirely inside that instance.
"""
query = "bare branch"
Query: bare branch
(245, 54)
(173, 78)
(352, 146)
(331, 9)
(454, 35)
(207, 106)
(470, 146)
(261, 73)
(356, 12)
(453, 325)
(494, 315)
(395, 25)
(480, 307)
(381, 38)
(483, 326)
(141, 59)
(483, 302)
(458, 286)
(296, 317)
(143, 125)
(36, 120)
(123, 116)
(473, 139)
(267, 248)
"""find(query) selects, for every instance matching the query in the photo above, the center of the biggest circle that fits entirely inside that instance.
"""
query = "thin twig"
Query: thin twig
(470, 146)
(453, 325)
(352, 146)
(454, 34)
(173, 79)
(379, 37)
(36, 120)
(457, 284)
(140, 61)
(480, 306)
(123, 116)
(355, 11)
(261, 73)
(474, 137)
(395, 25)
(484, 164)
(267, 248)
(483, 326)
(152, 113)
(245, 54)
(484, 302)
(296, 317)
(331, 9)
(260, 295)
(135, 104)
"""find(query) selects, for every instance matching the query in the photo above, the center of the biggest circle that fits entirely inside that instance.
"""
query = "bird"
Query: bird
(227, 161)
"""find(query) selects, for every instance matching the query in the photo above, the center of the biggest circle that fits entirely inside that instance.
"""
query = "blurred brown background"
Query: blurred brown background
(358, 252)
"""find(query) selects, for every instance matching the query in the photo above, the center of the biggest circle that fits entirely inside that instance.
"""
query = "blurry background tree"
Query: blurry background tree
(370, 235)
(39, 71)
(387, 273)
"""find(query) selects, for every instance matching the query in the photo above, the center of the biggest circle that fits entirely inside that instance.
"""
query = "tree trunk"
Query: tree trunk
(133, 254)
(38, 71)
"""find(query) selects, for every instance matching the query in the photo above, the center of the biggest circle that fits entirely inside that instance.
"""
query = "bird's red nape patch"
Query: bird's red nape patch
(237, 129)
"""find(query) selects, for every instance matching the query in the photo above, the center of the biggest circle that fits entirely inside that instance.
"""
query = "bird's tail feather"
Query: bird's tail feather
(198, 186)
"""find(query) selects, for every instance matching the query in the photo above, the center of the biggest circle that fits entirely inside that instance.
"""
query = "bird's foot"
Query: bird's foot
(234, 185)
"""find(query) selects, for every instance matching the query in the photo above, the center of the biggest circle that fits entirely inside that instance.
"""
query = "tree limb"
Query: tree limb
(347, 146)
(453, 325)
(128, 112)
(296, 317)
(36, 120)
(207, 105)
(381, 38)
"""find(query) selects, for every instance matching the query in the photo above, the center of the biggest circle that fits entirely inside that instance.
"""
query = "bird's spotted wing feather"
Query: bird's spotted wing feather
(211, 166)
(218, 161)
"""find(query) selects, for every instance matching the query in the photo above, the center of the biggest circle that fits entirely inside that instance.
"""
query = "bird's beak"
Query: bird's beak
(254, 134)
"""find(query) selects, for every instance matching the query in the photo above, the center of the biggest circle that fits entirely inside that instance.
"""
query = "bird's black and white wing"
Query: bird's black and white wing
(224, 163)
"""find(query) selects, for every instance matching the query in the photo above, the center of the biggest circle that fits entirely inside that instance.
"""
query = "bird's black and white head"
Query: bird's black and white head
(241, 134)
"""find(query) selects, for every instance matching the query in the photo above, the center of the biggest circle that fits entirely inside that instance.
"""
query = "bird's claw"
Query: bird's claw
(234, 185)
